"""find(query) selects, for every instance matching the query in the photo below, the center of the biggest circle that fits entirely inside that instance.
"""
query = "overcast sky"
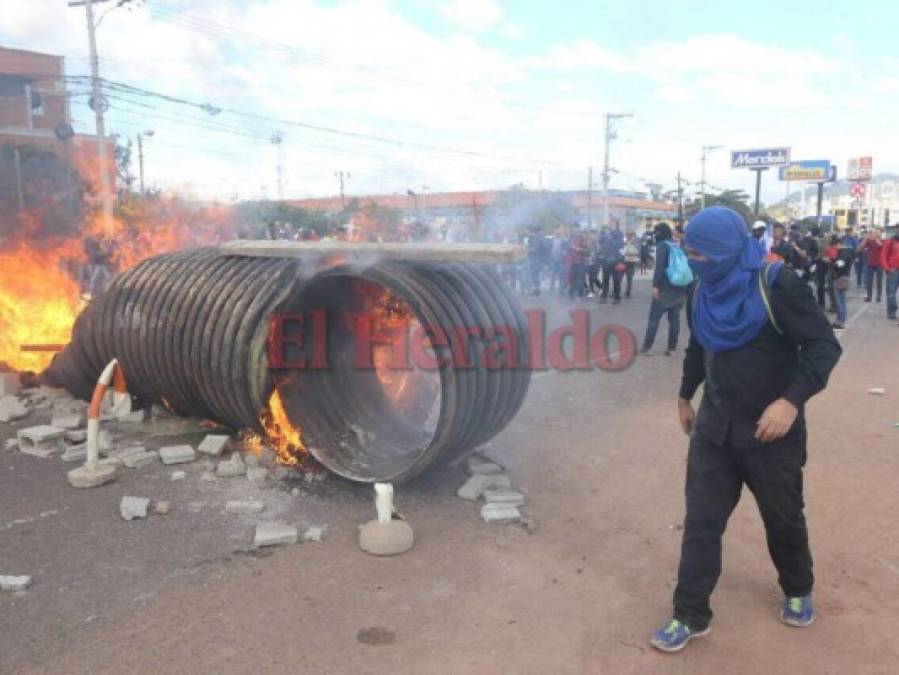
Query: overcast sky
(479, 94)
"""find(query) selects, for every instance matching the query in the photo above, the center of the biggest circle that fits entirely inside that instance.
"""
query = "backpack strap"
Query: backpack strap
(766, 280)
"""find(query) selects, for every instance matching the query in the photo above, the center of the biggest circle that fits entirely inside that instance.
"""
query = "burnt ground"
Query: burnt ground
(601, 459)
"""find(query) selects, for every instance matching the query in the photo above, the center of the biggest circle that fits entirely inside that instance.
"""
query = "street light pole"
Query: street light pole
(706, 149)
(610, 135)
(140, 156)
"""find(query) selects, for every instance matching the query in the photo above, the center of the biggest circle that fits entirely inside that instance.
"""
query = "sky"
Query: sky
(477, 94)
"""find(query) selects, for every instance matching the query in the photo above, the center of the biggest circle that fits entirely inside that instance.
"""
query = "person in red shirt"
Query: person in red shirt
(889, 260)
(872, 247)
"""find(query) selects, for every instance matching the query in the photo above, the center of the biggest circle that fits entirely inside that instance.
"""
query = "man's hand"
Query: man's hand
(656, 293)
(686, 414)
(776, 421)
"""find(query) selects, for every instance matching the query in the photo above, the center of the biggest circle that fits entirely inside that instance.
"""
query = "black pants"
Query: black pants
(629, 276)
(715, 478)
(576, 283)
(820, 281)
(656, 311)
(593, 277)
(873, 274)
(609, 274)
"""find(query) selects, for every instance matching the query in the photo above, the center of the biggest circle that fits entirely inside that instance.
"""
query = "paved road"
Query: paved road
(602, 460)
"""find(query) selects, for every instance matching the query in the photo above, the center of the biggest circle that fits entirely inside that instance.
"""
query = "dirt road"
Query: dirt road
(602, 460)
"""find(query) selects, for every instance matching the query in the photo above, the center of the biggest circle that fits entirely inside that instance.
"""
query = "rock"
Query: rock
(877, 391)
(214, 444)
(493, 514)
(162, 508)
(479, 465)
(75, 453)
(68, 422)
(12, 409)
(239, 508)
(42, 441)
(231, 467)
(208, 476)
(177, 454)
(503, 496)
(387, 539)
(134, 507)
(76, 436)
(139, 458)
(10, 384)
(12, 444)
(14, 583)
(257, 474)
(314, 534)
(178, 475)
(272, 534)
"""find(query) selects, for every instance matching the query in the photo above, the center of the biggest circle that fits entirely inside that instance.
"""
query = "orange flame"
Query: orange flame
(285, 438)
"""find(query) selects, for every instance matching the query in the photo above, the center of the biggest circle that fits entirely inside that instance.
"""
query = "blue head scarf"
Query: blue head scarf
(728, 310)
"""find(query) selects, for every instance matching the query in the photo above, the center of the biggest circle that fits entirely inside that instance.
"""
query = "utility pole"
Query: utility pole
(589, 197)
(610, 135)
(343, 176)
(20, 194)
(680, 199)
(706, 149)
(278, 141)
(98, 104)
(140, 156)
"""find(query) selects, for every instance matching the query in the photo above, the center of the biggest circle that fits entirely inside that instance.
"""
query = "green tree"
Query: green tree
(737, 200)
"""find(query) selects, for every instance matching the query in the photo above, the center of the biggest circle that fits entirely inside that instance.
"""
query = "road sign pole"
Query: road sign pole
(820, 202)
(758, 185)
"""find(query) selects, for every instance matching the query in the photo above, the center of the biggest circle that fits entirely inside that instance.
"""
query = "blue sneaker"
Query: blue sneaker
(798, 611)
(674, 635)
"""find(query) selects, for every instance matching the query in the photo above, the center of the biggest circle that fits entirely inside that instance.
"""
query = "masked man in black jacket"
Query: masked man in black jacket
(762, 347)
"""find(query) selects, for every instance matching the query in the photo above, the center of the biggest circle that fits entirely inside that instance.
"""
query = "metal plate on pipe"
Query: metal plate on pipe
(414, 252)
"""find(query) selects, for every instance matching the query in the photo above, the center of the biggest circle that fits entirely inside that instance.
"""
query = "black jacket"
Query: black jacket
(741, 383)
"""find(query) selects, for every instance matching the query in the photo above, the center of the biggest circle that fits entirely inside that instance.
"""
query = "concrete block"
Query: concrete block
(11, 444)
(42, 441)
(231, 467)
(76, 436)
(503, 496)
(481, 465)
(9, 582)
(134, 507)
(68, 422)
(257, 474)
(69, 407)
(242, 508)
(474, 487)
(178, 475)
(12, 409)
(177, 454)
(75, 453)
(10, 384)
(494, 514)
(272, 534)
(214, 444)
(138, 457)
(314, 534)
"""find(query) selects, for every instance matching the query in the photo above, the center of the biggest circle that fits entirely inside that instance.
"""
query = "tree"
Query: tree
(737, 200)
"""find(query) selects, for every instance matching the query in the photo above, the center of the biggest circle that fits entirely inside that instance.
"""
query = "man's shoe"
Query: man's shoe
(798, 611)
(674, 636)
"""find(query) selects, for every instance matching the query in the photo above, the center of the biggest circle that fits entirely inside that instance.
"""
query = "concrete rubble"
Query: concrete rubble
(68, 422)
(162, 508)
(494, 514)
(14, 583)
(231, 467)
(42, 441)
(503, 496)
(178, 475)
(12, 444)
(76, 436)
(177, 454)
(474, 487)
(272, 534)
(10, 384)
(74, 453)
(314, 534)
(214, 444)
(242, 508)
(136, 457)
(12, 409)
(134, 507)
(479, 465)
(257, 474)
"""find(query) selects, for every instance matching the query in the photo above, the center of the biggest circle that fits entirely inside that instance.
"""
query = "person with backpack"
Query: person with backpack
(667, 297)
(762, 347)
(889, 261)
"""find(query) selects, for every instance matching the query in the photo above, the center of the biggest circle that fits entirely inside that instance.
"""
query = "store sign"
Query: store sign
(807, 170)
(757, 159)
(860, 168)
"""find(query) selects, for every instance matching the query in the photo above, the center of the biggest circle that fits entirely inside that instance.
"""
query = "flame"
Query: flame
(285, 438)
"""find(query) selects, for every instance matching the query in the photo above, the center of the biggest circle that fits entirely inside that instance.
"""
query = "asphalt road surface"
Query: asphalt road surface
(601, 458)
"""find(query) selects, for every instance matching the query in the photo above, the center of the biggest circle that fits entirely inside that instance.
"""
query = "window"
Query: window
(37, 104)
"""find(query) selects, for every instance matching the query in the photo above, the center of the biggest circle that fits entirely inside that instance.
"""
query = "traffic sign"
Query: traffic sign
(757, 159)
(857, 190)
(808, 170)
(860, 168)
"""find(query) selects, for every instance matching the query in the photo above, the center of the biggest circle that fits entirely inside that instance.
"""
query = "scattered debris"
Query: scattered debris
(12, 409)
(494, 514)
(138, 457)
(503, 496)
(76, 436)
(272, 534)
(214, 444)
(877, 391)
(134, 507)
(239, 508)
(68, 422)
(314, 534)
(376, 636)
(10, 384)
(257, 474)
(528, 524)
(178, 475)
(474, 487)
(480, 465)
(231, 467)
(42, 441)
(14, 583)
(74, 453)
(177, 454)
(162, 508)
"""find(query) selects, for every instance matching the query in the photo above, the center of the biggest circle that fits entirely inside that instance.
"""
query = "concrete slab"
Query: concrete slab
(495, 514)
(76, 436)
(68, 422)
(177, 454)
(12, 409)
(75, 453)
(214, 444)
(414, 252)
(503, 496)
(134, 507)
(314, 534)
(272, 534)
(42, 441)
(477, 464)
(242, 508)
(14, 583)
(231, 467)
(474, 487)
(140, 457)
